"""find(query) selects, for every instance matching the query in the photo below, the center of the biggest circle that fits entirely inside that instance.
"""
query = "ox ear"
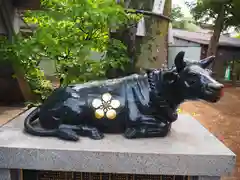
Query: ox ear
(207, 61)
(179, 61)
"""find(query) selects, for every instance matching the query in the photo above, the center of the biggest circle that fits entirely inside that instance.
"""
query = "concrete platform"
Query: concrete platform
(188, 150)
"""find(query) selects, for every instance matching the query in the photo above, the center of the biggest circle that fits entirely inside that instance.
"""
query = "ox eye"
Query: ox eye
(193, 75)
(192, 79)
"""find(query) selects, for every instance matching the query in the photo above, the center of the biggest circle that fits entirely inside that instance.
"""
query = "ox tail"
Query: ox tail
(29, 122)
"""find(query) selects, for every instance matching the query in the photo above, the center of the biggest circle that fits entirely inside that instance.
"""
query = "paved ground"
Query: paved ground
(222, 119)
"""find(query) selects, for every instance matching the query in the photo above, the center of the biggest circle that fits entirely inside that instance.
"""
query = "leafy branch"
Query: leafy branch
(67, 32)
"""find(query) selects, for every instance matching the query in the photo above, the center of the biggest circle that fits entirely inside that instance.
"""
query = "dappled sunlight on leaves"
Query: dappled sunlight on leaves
(67, 32)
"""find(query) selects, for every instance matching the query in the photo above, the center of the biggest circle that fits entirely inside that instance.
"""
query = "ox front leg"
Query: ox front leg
(91, 132)
(71, 132)
(148, 129)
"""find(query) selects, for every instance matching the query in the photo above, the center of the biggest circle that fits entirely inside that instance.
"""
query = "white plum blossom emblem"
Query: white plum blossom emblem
(106, 106)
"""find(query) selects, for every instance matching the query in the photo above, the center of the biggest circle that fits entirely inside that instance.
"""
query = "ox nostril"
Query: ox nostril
(215, 86)
(220, 86)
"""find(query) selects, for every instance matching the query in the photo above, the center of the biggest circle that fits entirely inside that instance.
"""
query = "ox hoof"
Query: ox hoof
(96, 135)
(130, 133)
(173, 116)
(67, 134)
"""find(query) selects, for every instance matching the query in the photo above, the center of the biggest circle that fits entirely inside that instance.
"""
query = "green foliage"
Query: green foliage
(181, 22)
(237, 36)
(176, 13)
(67, 32)
(85, 70)
(77, 28)
(22, 54)
(206, 11)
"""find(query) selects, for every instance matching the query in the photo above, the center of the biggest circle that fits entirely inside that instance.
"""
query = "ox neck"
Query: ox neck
(165, 93)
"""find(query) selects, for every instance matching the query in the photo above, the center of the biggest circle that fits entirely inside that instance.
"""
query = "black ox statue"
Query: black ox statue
(138, 106)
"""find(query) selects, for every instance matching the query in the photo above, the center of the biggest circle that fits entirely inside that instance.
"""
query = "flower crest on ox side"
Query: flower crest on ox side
(106, 106)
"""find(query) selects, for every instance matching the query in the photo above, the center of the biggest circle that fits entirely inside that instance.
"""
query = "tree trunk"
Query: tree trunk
(152, 49)
(213, 44)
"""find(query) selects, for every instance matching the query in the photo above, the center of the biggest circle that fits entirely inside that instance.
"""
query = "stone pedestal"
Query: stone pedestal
(188, 150)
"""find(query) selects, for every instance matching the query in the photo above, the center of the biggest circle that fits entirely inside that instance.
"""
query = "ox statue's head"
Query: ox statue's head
(194, 81)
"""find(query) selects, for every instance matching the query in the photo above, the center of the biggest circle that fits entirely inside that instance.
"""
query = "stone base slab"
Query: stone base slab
(188, 150)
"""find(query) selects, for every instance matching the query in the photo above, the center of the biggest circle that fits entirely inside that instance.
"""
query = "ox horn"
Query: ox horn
(207, 61)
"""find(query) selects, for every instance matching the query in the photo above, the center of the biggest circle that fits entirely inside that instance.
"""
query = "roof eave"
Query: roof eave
(205, 43)
(191, 40)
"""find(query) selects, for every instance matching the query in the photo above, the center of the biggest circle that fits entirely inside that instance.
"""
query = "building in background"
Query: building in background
(9, 14)
(12, 90)
(195, 44)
